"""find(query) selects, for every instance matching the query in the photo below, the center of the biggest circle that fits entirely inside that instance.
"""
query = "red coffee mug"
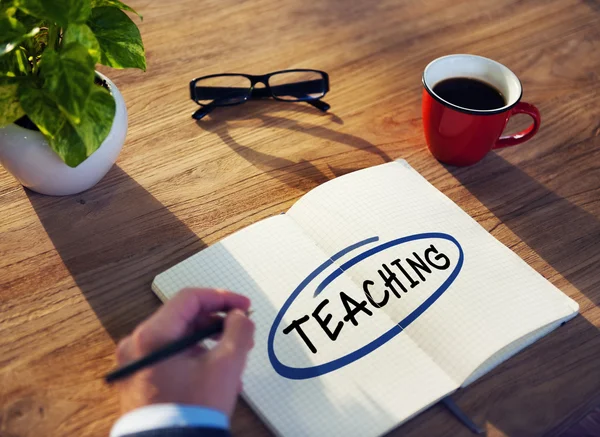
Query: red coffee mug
(463, 136)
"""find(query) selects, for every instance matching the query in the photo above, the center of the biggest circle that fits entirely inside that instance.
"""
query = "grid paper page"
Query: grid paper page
(367, 397)
(510, 350)
(495, 298)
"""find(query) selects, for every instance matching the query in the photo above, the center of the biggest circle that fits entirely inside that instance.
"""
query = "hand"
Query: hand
(208, 378)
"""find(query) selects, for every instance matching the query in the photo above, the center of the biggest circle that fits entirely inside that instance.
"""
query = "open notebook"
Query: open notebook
(374, 297)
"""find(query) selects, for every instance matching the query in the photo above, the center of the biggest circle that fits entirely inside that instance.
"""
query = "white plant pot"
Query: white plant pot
(27, 156)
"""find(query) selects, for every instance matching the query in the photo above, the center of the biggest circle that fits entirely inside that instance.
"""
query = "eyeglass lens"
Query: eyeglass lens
(223, 90)
(297, 85)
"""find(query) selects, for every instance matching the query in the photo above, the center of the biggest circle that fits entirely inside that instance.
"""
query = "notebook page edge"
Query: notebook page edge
(156, 289)
(256, 410)
(513, 348)
(423, 409)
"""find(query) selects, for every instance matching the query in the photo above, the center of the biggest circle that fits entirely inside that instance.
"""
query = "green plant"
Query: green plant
(48, 53)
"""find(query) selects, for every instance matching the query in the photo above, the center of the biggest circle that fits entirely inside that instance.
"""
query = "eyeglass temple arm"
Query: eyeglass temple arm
(319, 104)
(203, 112)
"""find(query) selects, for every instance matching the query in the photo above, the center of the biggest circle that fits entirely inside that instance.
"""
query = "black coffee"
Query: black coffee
(470, 93)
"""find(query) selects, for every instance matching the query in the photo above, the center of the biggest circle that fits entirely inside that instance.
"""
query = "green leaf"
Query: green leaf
(73, 143)
(82, 34)
(69, 146)
(7, 7)
(12, 32)
(29, 21)
(10, 107)
(96, 120)
(42, 110)
(62, 12)
(46, 115)
(119, 38)
(115, 4)
(14, 64)
(69, 77)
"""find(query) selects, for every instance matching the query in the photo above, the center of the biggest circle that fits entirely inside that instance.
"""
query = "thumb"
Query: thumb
(238, 333)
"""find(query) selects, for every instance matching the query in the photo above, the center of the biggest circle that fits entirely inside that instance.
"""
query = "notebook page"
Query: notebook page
(512, 349)
(480, 301)
(267, 261)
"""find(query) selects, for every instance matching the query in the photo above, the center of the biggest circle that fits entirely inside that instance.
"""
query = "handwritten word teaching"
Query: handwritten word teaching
(392, 281)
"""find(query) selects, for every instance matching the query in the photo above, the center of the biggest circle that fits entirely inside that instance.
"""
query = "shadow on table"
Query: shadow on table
(560, 232)
(113, 239)
(566, 237)
(302, 174)
(541, 391)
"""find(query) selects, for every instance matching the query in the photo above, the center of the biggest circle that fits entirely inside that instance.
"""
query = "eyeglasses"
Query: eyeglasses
(234, 89)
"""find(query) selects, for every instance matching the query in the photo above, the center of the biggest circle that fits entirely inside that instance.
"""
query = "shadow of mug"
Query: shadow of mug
(559, 231)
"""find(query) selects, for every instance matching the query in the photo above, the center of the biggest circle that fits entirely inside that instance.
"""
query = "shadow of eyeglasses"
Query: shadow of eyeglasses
(302, 174)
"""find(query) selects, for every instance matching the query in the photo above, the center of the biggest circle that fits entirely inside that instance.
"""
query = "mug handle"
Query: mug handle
(524, 135)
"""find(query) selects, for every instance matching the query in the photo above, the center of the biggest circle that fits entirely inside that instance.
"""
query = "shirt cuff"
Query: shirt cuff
(159, 416)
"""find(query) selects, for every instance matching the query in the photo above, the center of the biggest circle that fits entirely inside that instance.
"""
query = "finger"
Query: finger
(184, 309)
(178, 316)
(124, 352)
(197, 351)
(238, 333)
(206, 321)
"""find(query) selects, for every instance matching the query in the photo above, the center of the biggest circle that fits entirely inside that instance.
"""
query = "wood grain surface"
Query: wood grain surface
(75, 272)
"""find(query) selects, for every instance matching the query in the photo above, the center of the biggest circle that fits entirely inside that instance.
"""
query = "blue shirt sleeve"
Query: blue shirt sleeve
(159, 416)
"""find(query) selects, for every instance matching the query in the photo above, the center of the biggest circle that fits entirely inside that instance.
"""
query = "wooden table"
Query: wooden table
(75, 271)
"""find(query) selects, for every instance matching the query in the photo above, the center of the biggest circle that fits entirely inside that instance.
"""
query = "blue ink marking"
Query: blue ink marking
(321, 369)
(340, 254)
(350, 248)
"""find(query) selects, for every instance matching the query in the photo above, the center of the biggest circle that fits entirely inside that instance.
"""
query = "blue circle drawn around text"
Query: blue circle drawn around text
(321, 369)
